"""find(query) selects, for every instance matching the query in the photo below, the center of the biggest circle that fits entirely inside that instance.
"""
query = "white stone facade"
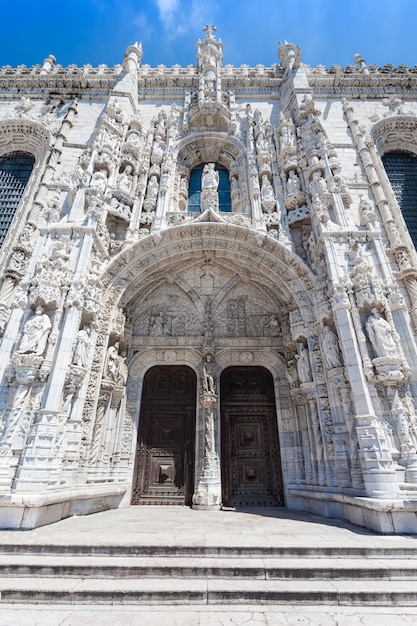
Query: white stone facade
(311, 276)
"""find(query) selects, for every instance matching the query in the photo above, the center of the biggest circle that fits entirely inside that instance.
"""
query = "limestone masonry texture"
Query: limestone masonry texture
(208, 288)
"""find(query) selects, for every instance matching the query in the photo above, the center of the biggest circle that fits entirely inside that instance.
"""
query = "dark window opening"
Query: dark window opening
(15, 171)
(401, 169)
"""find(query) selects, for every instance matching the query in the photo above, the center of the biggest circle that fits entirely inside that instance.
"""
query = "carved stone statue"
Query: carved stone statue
(152, 191)
(125, 179)
(159, 325)
(82, 347)
(99, 180)
(293, 183)
(318, 184)
(208, 381)
(115, 367)
(286, 137)
(210, 178)
(271, 326)
(35, 333)
(292, 373)
(380, 334)
(331, 348)
(303, 364)
(267, 195)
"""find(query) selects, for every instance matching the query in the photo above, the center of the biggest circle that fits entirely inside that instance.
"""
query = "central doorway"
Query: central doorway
(250, 457)
(164, 468)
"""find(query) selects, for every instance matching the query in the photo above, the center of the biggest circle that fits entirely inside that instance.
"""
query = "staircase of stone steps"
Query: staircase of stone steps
(201, 575)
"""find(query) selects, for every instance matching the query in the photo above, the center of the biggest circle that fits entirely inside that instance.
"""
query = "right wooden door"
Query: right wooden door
(250, 456)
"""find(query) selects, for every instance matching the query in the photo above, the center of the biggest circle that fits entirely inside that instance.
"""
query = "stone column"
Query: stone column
(208, 492)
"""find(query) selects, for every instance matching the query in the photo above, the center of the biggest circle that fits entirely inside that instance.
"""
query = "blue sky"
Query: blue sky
(98, 31)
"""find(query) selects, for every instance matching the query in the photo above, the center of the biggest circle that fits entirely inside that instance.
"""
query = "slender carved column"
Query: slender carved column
(55, 153)
(208, 486)
(367, 153)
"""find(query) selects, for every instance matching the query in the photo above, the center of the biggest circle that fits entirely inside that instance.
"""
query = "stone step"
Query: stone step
(231, 551)
(103, 567)
(217, 591)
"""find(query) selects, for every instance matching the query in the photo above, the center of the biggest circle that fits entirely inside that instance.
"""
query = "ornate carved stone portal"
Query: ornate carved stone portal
(208, 289)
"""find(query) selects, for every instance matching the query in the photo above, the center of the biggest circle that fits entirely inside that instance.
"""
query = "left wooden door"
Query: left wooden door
(164, 469)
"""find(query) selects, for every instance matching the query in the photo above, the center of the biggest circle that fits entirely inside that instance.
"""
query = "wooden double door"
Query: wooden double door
(250, 458)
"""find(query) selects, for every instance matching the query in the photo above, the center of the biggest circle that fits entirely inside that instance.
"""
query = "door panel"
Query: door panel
(165, 452)
(251, 467)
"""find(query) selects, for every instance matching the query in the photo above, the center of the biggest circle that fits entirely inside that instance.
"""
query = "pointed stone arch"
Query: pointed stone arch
(251, 251)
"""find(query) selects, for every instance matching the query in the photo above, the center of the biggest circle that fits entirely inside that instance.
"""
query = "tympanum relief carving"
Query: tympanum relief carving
(176, 308)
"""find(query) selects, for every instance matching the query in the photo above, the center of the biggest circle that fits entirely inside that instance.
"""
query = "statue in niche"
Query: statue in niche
(381, 336)
(331, 348)
(35, 333)
(267, 195)
(115, 367)
(157, 152)
(262, 143)
(286, 137)
(318, 184)
(210, 178)
(152, 191)
(303, 364)
(125, 179)
(292, 373)
(133, 137)
(159, 325)
(293, 183)
(82, 347)
(20, 412)
(99, 180)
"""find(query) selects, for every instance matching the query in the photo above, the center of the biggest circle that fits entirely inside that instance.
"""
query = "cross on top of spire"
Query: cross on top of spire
(210, 30)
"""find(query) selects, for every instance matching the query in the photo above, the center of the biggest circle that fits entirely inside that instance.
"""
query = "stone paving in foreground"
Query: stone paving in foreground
(185, 527)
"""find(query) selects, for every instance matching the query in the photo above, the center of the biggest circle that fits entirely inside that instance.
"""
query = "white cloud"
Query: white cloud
(168, 9)
(178, 18)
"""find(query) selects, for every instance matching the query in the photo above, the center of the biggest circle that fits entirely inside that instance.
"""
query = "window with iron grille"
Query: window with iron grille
(15, 171)
(401, 169)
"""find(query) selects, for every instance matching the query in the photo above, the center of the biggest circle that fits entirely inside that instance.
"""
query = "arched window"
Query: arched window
(401, 169)
(15, 171)
(194, 190)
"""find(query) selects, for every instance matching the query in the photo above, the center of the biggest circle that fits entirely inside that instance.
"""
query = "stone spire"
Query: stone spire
(209, 57)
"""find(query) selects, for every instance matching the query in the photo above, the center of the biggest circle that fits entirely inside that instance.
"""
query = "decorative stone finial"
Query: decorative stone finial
(360, 64)
(290, 55)
(132, 58)
(48, 64)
